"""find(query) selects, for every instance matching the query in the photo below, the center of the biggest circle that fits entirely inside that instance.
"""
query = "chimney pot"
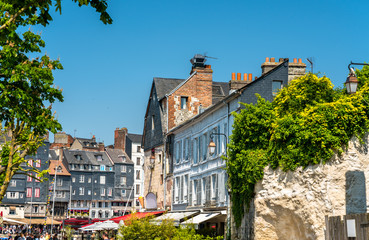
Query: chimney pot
(272, 59)
(281, 60)
(245, 76)
(300, 60)
(233, 76)
(250, 77)
(256, 78)
(238, 76)
(295, 60)
(208, 66)
(266, 59)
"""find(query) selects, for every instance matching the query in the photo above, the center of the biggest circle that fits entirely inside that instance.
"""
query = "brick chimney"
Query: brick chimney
(101, 146)
(204, 80)
(295, 69)
(238, 83)
(120, 138)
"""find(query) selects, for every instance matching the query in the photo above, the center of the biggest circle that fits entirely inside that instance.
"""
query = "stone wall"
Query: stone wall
(293, 205)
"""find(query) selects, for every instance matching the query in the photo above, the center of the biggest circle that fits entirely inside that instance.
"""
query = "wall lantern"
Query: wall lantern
(152, 161)
(211, 147)
(351, 81)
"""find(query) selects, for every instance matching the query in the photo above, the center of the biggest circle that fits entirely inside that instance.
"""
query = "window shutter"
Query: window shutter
(190, 194)
(181, 193)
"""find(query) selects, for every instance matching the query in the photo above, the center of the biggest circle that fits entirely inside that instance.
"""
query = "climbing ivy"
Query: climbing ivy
(307, 122)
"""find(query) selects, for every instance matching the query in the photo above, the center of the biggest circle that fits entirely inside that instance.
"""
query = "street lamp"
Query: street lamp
(212, 144)
(351, 81)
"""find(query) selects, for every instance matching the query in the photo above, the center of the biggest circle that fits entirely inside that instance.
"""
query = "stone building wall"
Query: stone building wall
(293, 205)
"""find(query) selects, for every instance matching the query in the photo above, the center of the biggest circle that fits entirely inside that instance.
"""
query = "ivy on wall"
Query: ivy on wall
(307, 122)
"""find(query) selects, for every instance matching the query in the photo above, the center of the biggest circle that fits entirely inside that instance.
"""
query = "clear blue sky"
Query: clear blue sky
(108, 69)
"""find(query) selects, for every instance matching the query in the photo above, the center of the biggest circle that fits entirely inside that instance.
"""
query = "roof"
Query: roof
(63, 170)
(135, 138)
(53, 155)
(88, 143)
(87, 157)
(227, 98)
(220, 90)
(116, 156)
(164, 85)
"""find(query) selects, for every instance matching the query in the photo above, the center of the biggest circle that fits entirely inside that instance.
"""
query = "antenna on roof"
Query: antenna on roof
(209, 56)
(75, 130)
(311, 61)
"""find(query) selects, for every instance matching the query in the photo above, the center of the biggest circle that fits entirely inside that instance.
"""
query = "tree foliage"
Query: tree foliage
(307, 122)
(27, 85)
(136, 229)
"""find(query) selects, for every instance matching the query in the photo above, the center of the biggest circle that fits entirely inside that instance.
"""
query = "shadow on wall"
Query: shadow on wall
(355, 192)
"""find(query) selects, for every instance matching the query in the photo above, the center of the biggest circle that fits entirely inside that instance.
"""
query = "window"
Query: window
(37, 192)
(81, 178)
(29, 178)
(214, 187)
(35, 209)
(13, 183)
(110, 191)
(38, 163)
(89, 192)
(59, 169)
(74, 192)
(78, 157)
(186, 148)
(195, 151)
(102, 167)
(29, 192)
(73, 179)
(98, 157)
(72, 167)
(12, 212)
(190, 194)
(124, 168)
(138, 161)
(123, 180)
(89, 180)
(60, 194)
(138, 148)
(30, 163)
(102, 179)
(152, 122)
(93, 204)
(184, 101)
(59, 182)
(81, 191)
(13, 195)
(110, 169)
(137, 189)
(138, 174)
(185, 188)
(37, 178)
(123, 192)
(276, 86)
(102, 191)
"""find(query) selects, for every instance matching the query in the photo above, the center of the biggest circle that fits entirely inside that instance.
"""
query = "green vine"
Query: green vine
(307, 123)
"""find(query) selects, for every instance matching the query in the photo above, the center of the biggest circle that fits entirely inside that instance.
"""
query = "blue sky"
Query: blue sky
(108, 69)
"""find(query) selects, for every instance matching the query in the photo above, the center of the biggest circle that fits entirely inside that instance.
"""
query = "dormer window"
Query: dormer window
(98, 157)
(59, 169)
(78, 157)
(122, 158)
(184, 101)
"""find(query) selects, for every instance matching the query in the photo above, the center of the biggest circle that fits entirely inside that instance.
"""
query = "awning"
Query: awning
(176, 217)
(137, 215)
(202, 217)
(40, 221)
(12, 221)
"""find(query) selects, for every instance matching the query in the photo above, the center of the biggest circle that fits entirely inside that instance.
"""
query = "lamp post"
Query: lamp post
(212, 147)
(351, 81)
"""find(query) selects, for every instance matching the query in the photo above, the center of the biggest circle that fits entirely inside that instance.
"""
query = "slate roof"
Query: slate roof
(135, 138)
(53, 155)
(86, 157)
(116, 156)
(165, 85)
(220, 90)
(88, 143)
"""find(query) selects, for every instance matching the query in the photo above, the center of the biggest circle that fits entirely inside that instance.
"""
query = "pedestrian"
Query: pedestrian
(105, 237)
(10, 236)
(21, 237)
(55, 237)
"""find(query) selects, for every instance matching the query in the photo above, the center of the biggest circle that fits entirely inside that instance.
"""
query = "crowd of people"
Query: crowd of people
(22, 232)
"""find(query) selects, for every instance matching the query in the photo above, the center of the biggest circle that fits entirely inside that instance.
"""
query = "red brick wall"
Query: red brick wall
(198, 89)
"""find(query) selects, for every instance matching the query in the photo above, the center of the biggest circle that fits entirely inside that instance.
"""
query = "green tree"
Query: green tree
(307, 122)
(27, 88)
